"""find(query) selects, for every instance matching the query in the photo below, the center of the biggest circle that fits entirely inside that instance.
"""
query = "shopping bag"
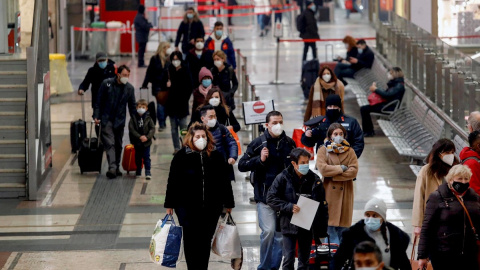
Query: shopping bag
(413, 262)
(374, 99)
(235, 136)
(226, 242)
(166, 244)
(297, 138)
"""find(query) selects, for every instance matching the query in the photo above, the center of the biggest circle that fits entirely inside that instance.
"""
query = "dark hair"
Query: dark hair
(383, 231)
(121, 68)
(298, 152)
(361, 42)
(210, 93)
(473, 137)
(437, 167)
(141, 9)
(333, 78)
(202, 37)
(178, 54)
(204, 109)
(188, 140)
(366, 247)
(334, 126)
(218, 23)
(273, 113)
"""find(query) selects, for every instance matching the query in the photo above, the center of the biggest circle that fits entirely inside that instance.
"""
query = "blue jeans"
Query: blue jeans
(161, 116)
(143, 153)
(260, 21)
(175, 124)
(278, 16)
(344, 71)
(270, 239)
(335, 234)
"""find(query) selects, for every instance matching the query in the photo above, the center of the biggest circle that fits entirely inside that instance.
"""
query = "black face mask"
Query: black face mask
(333, 114)
(460, 187)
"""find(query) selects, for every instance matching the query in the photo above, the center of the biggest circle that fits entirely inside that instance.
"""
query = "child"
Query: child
(142, 129)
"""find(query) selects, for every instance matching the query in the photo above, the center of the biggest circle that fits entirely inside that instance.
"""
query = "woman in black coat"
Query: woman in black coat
(447, 237)
(198, 189)
(391, 240)
(189, 29)
(224, 77)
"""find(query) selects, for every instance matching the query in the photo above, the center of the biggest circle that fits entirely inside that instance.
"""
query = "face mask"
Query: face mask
(199, 45)
(367, 268)
(176, 63)
(102, 64)
(373, 224)
(360, 51)
(218, 33)
(124, 80)
(218, 64)
(214, 101)
(168, 51)
(211, 123)
(206, 82)
(333, 114)
(277, 129)
(313, 8)
(189, 16)
(326, 77)
(303, 169)
(200, 144)
(448, 159)
(389, 77)
(460, 187)
(141, 111)
(338, 139)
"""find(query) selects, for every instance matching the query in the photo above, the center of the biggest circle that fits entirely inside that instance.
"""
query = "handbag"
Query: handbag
(413, 262)
(374, 99)
(166, 243)
(297, 138)
(226, 242)
(162, 96)
(473, 227)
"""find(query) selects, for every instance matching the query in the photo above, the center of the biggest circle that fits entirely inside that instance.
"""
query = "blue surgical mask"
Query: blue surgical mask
(102, 64)
(373, 224)
(189, 16)
(303, 168)
(313, 8)
(360, 51)
(219, 33)
(206, 82)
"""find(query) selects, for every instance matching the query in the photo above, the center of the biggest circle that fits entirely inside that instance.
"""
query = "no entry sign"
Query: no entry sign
(254, 112)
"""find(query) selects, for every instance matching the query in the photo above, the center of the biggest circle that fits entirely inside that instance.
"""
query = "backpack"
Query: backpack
(301, 24)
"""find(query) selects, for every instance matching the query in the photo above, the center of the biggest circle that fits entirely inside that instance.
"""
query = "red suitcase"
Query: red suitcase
(128, 160)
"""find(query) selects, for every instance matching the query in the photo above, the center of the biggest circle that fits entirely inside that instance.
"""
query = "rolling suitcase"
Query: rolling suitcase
(331, 64)
(90, 155)
(78, 131)
(310, 71)
(128, 159)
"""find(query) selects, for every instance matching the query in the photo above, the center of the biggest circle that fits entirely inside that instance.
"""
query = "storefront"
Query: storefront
(459, 18)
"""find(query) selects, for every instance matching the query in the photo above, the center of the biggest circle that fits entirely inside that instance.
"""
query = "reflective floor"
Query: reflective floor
(89, 222)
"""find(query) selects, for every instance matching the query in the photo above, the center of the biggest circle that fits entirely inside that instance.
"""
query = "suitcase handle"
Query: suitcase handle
(83, 107)
(326, 52)
(99, 133)
(148, 96)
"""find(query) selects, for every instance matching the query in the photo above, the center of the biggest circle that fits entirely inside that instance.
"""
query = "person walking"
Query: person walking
(225, 78)
(142, 29)
(470, 156)
(198, 58)
(220, 41)
(310, 29)
(205, 78)
(190, 28)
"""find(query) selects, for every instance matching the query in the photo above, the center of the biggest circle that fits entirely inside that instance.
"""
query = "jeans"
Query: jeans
(112, 139)
(278, 16)
(305, 50)
(344, 71)
(142, 153)
(161, 118)
(260, 21)
(175, 124)
(304, 238)
(335, 234)
(141, 53)
(367, 124)
(270, 239)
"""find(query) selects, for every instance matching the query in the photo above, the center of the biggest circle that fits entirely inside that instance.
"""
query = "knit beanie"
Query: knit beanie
(204, 72)
(333, 100)
(378, 206)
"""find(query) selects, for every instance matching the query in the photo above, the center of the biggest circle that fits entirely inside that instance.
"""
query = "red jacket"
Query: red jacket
(474, 165)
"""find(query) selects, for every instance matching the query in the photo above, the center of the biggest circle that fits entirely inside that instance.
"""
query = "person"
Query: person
(179, 85)
(198, 58)
(276, 6)
(367, 256)
(295, 181)
(224, 141)
(205, 78)
(114, 95)
(262, 9)
(141, 131)
(374, 227)
(198, 189)
(364, 59)
(219, 41)
(224, 77)
(325, 85)
(470, 156)
(231, 3)
(338, 164)
(447, 238)
(439, 161)
(224, 115)
(156, 70)
(311, 30)
(142, 29)
(473, 122)
(316, 131)
(190, 28)
(355, 8)
(395, 91)
(352, 51)
(266, 157)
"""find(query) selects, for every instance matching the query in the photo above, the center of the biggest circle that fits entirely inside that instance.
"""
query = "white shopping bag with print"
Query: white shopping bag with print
(166, 244)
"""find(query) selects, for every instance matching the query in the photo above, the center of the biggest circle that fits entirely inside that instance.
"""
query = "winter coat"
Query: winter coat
(284, 193)
(352, 53)
(339, 89)
(227, 81)
(155, 73)
(319, 133)
(142, 28)
(95, 76)
(197, 180)
(474, 166)
(179, 92)
(113, 98)
(446, 230)
(195, 64)
(227, 48)
(265, 172)
(135, 132)
(188, 31)
(395, 91)
(424, 186)
(356, 234)
(222, 118)
(365, 59)
(338, 184)
(198, 99)
(311, 29)
(225, 144)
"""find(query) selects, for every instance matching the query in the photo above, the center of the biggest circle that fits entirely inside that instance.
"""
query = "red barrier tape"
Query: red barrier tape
(321, 40)
(234, 15)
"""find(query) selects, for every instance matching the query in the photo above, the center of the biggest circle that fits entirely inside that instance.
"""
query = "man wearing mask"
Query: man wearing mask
(364, 59)
(142, 28)
(114, 96)
(197, 58)
(310, 29)
(367, 256)
(219, 40)
(317, 127)
(266, 157)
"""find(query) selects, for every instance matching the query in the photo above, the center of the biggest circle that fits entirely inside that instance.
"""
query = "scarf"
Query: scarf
(320, 85)
(204, 90)
(336, 148)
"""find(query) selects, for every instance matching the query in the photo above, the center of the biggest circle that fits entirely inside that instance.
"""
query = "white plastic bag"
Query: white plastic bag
(166, 244)
(226, 242)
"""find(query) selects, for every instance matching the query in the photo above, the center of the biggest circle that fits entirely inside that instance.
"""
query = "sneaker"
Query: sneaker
(111, 174)
(148, 177)
(118, 172)
(138, 174)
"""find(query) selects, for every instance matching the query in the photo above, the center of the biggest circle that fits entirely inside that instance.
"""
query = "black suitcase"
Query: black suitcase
(78, 131)
(323, 14)
(310, 71)
(90, 155)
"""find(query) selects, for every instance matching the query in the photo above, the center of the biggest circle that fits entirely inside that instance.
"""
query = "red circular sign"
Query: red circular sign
(259, 107)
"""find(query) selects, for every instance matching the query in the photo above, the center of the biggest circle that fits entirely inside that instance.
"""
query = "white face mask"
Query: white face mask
(448, 159)
(214, 102)
(176, 63)
(199, 45)
(211, 123)
(218, 64)
(200, 144)
(124, 80)
(277, 129)
(141, 111)
(326, 77)
(169, 51)
(389, 77)
(338, 139)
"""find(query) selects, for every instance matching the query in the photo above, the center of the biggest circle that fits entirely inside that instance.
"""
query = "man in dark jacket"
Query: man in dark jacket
(142, 28)
(311, 30)
(295, 181)
(197, 58)
(110, 111)
(318, 126)
(364, 59)
(266, 157)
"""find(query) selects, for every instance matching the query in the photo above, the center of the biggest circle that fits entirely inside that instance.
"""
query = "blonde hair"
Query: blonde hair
(161, 47)
(458, 170)
(195, 15)
(220, 54)
(397, 72)
(142, 102)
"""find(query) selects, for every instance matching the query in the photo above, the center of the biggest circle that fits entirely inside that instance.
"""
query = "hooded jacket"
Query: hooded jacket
(135, 131)
(95, 76)
(474, 164)
(226, 47)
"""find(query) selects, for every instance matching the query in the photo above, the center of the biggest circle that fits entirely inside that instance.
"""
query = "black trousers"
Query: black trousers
(367, 123)
(141, 53)
(447, 260)
(304, 238)
(313, 45)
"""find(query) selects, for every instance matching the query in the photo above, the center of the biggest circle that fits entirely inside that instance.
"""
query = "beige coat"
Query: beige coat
(338, 184)
(424, 186)
(339, 90)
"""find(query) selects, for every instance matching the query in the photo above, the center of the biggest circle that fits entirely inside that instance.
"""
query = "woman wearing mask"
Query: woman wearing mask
(325, 85)
(205, 78)
(156, 70)
(447, 236)
(224, 77)
(179, 85)
(198, 189)
(352, 51)
(338, 164)
(391, 240)
(224, 115)
(439, 161)
(190, 28)
(395, 91)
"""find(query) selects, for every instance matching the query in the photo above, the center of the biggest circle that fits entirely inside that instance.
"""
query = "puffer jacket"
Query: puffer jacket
(224, 141)
(135, 132)
(471, 159)
(284, 193)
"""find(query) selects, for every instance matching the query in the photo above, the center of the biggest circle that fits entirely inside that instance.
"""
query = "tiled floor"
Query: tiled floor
(87, 222)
